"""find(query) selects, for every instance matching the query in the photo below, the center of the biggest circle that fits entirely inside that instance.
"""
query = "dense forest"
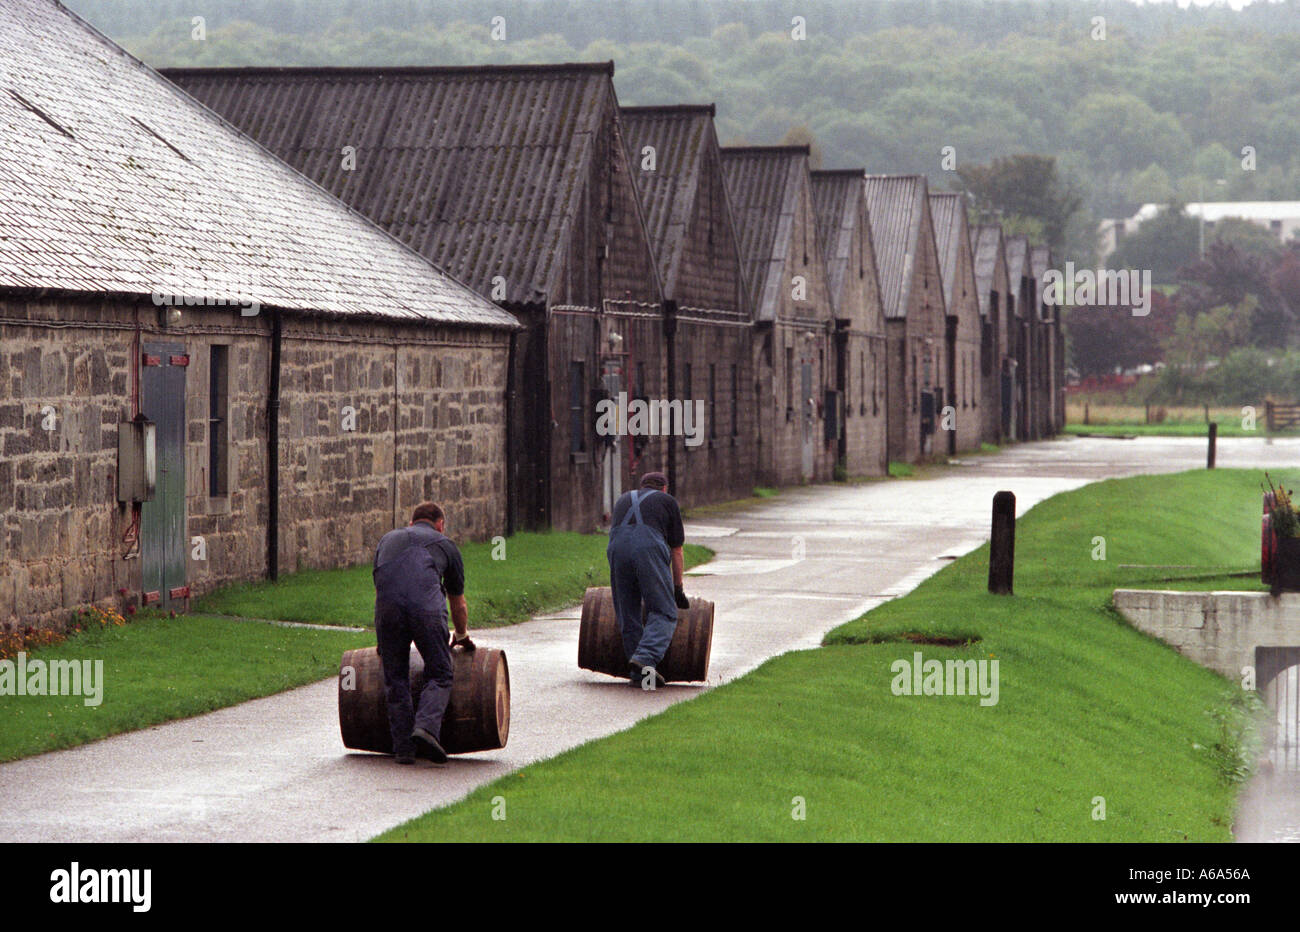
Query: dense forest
(1134, 103)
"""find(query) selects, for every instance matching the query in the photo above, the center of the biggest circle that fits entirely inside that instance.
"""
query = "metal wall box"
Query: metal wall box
(137, 462)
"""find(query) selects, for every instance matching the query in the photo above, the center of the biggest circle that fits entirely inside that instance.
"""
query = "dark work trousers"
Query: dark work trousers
(640, 570)
(395, 629)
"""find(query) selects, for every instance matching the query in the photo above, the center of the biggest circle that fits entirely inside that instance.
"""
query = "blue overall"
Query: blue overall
(410, 606)
(640, 569)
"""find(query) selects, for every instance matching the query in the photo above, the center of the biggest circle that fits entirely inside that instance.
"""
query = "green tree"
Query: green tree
(1024, 186)
(1164, 244)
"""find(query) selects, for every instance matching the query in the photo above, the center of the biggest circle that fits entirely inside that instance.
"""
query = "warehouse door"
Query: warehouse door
(809, 411)
(162, 521)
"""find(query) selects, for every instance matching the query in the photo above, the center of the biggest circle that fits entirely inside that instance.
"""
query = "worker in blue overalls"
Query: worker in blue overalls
(645, 566)
(417, 572)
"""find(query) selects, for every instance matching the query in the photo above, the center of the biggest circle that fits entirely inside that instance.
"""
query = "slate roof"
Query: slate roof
(481, 169)
(113, 181)
(986, 241)
(763, 183)
(949, 214)
(838, 201)
(896, 205)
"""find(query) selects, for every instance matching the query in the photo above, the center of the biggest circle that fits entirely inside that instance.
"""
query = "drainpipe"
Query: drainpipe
(670, 346)
(512, 472)
(273, 454)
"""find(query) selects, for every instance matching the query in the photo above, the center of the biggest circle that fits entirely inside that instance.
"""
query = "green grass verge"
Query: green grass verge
(901, 470)
(1226, 429)
(159, 669)
(1088, 707)
(540, 573)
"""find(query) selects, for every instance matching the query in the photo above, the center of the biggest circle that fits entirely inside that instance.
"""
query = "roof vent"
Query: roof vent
(39, 112)
(148, 129)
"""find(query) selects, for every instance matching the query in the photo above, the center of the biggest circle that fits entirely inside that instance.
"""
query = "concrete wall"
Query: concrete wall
(1219, 630)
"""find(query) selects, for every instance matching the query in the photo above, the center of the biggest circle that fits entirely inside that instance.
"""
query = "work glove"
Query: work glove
(464, 642)
(680, 595)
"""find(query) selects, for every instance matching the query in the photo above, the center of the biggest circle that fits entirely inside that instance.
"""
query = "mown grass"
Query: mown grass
(1226, 429)
(531, 573)
(1089, 710)
(159, 669)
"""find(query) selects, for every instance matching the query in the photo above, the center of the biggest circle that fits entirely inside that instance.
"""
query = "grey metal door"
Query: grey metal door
(808, 413)
(162, 521)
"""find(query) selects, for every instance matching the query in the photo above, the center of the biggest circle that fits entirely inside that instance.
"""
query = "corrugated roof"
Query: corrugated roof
(1040, 260)
(113, 181)
(763, 183)
(949, 215)
(683, 139)
(1017, 248)
(896, 205)
(838, 201)
(480, 168)
(986, 242)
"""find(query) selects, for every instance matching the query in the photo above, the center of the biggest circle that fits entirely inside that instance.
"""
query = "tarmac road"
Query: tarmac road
(786, 572)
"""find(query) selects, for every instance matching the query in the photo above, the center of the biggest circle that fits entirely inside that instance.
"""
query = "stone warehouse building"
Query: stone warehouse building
(1018, 349)
(794, 352)
(516, 180)
(844, 237)
(710, 321)
(995, 309)
(964, 330)
(171, 292)
(911, 285)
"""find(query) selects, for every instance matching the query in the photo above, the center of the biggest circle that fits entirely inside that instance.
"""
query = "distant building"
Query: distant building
(964, 331)
(794, 357)
(709, 318)
(844, 234)
(996, 303)
(1281, 218)
(911, 287)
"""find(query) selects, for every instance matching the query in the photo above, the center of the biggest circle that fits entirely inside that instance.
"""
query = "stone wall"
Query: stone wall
(429, 423)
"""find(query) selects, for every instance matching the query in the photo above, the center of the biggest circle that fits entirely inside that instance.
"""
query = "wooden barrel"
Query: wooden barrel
(600, 646)
(478, 712)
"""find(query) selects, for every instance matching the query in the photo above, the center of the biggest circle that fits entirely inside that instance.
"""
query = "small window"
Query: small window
(218, 422)
(577, 408)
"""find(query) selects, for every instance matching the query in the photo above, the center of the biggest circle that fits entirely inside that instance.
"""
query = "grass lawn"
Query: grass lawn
(1088, 707)
(159, 669)
(540, 573)
(1226, 429)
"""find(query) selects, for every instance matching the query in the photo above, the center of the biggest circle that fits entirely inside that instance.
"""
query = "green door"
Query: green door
(162, 521)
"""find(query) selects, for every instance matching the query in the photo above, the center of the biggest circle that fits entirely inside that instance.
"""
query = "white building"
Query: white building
(1282, 218)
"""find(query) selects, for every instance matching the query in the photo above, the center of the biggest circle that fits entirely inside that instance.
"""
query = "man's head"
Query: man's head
(430, 512)
(655, 480)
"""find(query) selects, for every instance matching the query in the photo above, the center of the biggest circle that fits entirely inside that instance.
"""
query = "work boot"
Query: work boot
(427, 746)
(637, 676)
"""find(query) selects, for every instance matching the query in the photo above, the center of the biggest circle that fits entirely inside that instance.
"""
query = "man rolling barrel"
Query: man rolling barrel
(645, 566)
(417, 570)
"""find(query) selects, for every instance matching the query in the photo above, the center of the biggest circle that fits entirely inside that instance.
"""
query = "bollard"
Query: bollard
(1214, 437)
(1002, 544)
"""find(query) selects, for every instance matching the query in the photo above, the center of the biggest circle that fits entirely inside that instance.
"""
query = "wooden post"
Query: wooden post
(1085, 412)
(1002, 544)
(1214, 437)
(1268, 416)
(1148, 413)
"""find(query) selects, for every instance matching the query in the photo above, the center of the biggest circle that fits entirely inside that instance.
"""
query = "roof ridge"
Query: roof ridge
(601, 67)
